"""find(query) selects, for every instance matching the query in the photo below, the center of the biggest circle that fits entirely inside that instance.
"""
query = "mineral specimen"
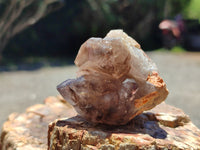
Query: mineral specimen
(116, 80)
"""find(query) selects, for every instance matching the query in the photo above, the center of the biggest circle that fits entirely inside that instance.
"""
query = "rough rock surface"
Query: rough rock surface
(116, 80)
(164, 127)
(28, 131)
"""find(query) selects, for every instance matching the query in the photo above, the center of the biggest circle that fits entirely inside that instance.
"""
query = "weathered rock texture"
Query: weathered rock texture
(164, 127)
(28, 131)
(116, 80)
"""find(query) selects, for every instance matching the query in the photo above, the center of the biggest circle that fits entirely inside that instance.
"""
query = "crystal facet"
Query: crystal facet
(116, 80)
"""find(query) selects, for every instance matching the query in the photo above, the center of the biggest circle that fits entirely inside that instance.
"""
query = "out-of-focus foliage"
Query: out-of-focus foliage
(176, 49)
(193, 10)
(16, 15)
(62, 32)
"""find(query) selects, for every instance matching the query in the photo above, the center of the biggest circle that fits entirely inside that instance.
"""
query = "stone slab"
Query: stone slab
(28, 131)
(164, 127)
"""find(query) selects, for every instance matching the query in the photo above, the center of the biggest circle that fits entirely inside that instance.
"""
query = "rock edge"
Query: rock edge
(164, 127)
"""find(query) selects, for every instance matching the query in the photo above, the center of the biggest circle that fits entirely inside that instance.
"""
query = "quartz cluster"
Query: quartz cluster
(116, 80)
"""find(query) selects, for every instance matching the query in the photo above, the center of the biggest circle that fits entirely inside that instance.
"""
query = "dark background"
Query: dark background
(61, 33)
(55, 38)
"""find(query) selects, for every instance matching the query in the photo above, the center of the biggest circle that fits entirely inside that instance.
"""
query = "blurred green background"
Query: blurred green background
(64, 25)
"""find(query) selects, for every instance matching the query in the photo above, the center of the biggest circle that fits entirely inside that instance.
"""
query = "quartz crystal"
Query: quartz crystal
(116, 80)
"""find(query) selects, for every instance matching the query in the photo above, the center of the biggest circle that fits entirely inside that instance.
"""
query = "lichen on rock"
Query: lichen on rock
(116, 80)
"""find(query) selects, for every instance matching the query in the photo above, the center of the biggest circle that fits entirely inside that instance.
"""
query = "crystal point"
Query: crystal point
(116, 80)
